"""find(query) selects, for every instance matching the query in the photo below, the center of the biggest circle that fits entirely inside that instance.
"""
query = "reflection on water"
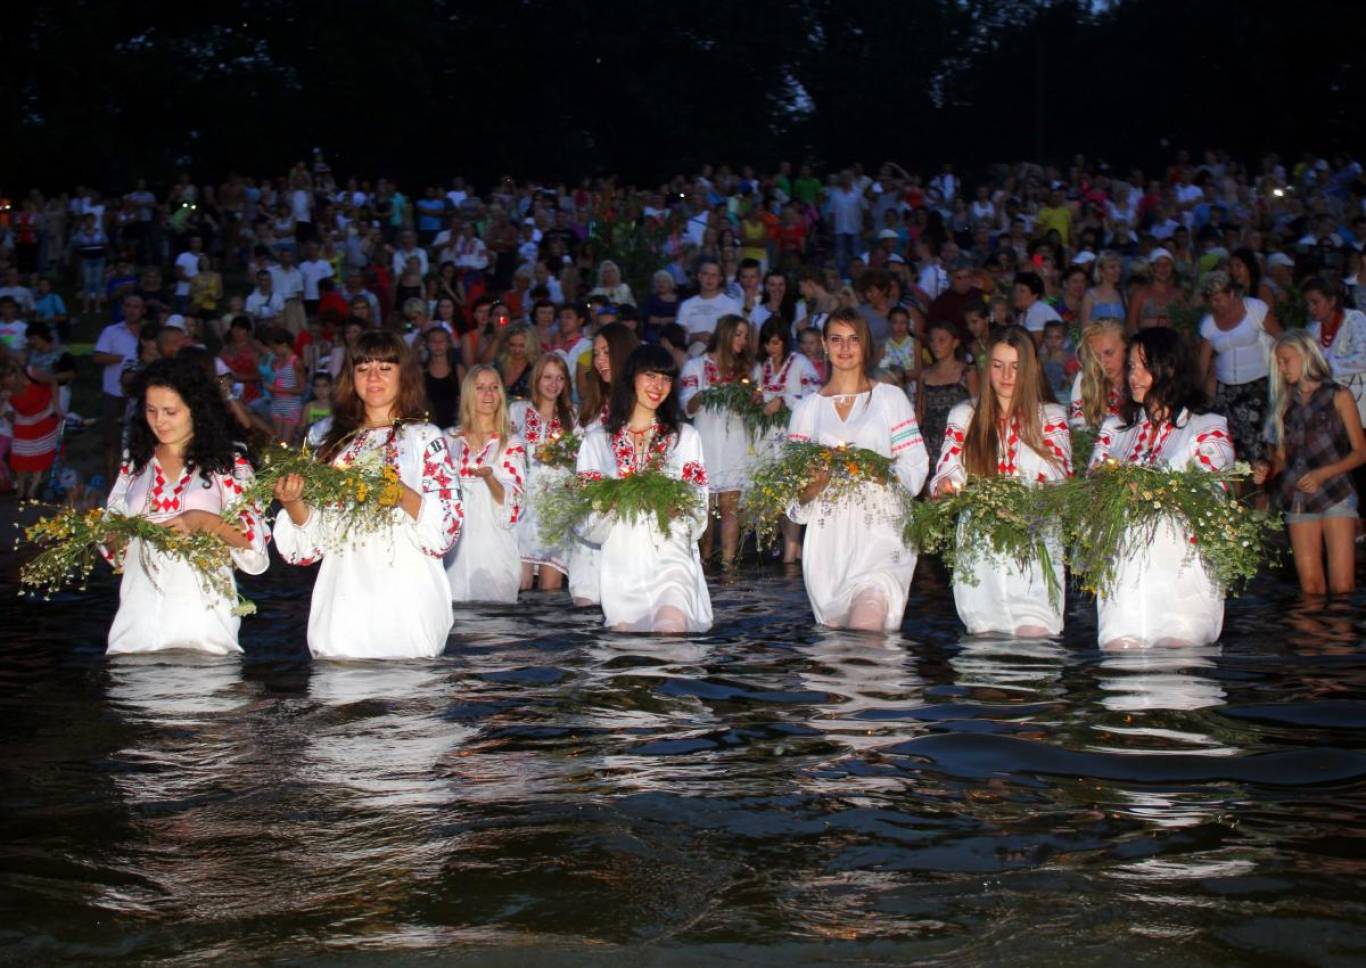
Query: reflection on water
(770, 792)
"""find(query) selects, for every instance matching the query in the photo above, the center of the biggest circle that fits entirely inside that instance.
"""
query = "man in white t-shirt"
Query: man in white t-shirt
(289, 281)
(186, 268)
(301, 207)
(16, 290)
(116, 351)
(1032, 312)
(699, 314)
(312, 269)
(264, 304)
(408, 249)
(845, 205)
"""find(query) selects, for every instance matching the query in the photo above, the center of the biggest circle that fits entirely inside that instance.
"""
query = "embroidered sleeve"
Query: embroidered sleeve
(950, 466)
(118, 502)
(512, 475)
(1214, 448)
(441, 515)
(1057, 440)
(912, 463)
(251, 521)
(1105, 440)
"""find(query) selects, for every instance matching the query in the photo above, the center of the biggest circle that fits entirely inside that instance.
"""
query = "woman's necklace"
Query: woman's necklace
(845, 399)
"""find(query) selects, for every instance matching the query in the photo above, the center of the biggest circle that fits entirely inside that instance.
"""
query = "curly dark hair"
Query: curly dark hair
(1176, 387)
(211, 450)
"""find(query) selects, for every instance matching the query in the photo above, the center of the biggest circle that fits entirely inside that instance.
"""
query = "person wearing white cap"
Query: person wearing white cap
(1153, 303)
(1280, 274)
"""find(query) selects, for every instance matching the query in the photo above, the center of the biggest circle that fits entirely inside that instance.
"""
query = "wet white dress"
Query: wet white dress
(486, 565)
(383, 595)
(1163, 593)
(642, 570)
(162, 601)
(726, 443)
(535, 431)
(584, 556)
(854, 546)
(996, 594)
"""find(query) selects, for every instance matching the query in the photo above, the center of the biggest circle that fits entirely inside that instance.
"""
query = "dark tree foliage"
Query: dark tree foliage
(101, 92)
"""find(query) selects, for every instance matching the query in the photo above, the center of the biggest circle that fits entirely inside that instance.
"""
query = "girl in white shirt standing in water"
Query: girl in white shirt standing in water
(611, 346)
(549, 414)
(486, 565)
(382, 595)
(856, 569)
(1012, 430)
(651, 582)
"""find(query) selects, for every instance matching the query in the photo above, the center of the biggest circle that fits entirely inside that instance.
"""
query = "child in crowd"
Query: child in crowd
(1000, 312)
(320, 406)
(813, 348)
(286, 386)
(1059, 361)
(901, 356)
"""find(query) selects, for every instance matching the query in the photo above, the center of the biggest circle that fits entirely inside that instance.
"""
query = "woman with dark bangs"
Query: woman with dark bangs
(382, 595)
(1162, 594)
(1016, 430)
(650, 582)
(180, 471)
(611, 348)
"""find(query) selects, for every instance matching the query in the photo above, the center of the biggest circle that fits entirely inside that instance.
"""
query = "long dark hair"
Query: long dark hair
(1168, 358)
(211, 449)
(348, 410)
(597, 392)
(647, 358)
(775, 326)
(983, 442)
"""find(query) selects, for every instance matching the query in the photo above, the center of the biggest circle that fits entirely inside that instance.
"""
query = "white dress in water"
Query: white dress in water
(726, 443)
(535, 431)
(794, 379)
(383, 595)
(642, 570)
(486, 565)
(854, 546)
(162, 601)
(1163, 594)
(585, 556)
(998, 595)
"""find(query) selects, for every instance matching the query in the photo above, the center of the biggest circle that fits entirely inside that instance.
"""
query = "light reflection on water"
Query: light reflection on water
(769, 792)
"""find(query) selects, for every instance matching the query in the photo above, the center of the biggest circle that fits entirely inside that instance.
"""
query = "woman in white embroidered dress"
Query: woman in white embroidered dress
(180, 471)
(856, 570)
(651, 582)
(382, 595)
(547, 416)
(1014, 430)
(1162, 593)
(486, 565)
(611, 347)
(726, 443)
(781, 378)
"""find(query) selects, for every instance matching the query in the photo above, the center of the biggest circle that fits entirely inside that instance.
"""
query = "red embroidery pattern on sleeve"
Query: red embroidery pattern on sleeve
(695, 473)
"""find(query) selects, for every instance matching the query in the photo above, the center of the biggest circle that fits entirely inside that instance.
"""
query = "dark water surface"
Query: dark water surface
(769, 793)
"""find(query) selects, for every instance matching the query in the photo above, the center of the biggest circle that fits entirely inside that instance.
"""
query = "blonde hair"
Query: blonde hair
(1316, 370)
(1104, 259)
(981, 448)
(500, 416)
(1095, 385)
(500, 347)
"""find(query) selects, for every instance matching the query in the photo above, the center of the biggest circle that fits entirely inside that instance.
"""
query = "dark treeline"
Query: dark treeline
(102, 92)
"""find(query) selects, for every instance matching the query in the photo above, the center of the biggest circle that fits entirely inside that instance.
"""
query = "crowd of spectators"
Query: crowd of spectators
(274, 277)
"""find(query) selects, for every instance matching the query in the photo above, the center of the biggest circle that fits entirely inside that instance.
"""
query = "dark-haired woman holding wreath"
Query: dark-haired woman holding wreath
(1162, 594)
(651, 582)
(181, 470)
(382, 594)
